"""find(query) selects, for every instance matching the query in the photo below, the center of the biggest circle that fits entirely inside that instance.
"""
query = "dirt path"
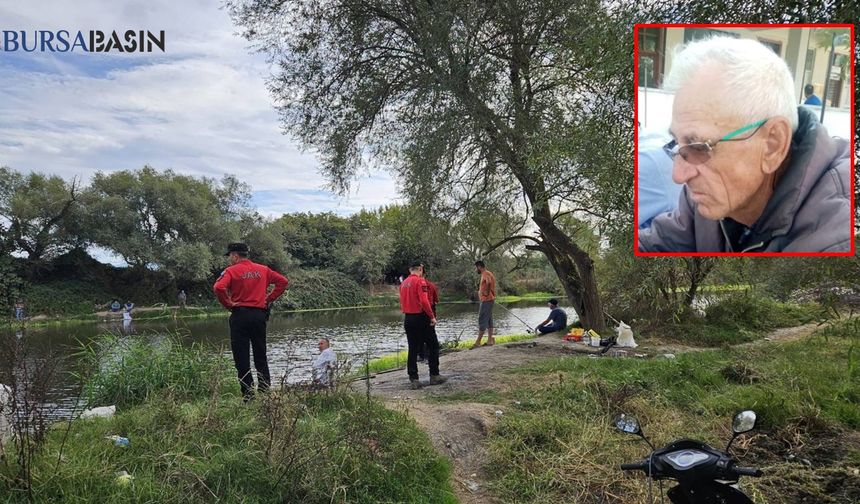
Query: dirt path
(458, 426)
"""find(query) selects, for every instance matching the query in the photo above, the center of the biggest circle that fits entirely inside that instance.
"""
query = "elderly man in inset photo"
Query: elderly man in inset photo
(760, 174)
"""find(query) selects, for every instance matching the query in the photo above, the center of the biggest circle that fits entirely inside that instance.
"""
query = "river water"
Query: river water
(292, 337)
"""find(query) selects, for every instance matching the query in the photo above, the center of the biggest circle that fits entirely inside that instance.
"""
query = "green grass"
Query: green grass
(193, 440)
(340, 449)
(737, 319)
(130, 371)
(555, 442)
(398, 360)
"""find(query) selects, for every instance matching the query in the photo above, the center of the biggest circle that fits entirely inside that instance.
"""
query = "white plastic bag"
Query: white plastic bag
(625, 336)
(100, 412)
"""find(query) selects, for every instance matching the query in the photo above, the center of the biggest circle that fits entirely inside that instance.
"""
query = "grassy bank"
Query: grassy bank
(555, 442)
(191, 439)
(284, 448)
(398, 360)
(736, 319)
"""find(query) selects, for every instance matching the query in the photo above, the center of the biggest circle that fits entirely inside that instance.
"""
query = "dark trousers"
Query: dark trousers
(418, 332)
(423, 349)
(553, 327)
(248, 329)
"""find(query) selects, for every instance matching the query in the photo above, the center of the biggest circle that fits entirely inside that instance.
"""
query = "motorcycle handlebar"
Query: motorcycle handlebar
(747, 471)
(634, 466)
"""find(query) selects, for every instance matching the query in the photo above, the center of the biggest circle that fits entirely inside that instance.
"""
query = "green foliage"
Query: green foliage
(38, 214)
(128, 372)
(367, 260)
(737, 317)
(747, 311)
(192, 440)
(12, 287)
(315, 289)
(312, 239)
(488, 114)
(803, 393)
(67, 297)
(283, 448)
(781, 277)
(163, 220)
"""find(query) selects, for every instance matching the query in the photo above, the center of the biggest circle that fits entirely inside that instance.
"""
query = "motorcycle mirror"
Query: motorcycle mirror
(628, 424)
(744, 422)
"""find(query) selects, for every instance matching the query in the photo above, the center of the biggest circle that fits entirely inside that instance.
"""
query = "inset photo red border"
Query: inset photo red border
(704, 190)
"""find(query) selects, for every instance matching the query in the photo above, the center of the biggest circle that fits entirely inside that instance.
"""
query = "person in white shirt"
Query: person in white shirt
(325, 364)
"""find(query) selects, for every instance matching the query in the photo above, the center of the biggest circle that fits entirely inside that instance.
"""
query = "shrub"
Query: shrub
(127, 372)
(322, 289)
(68, 297)
(747, 311)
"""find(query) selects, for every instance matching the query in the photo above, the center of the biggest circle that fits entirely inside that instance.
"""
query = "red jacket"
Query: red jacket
(245, 284)
(432, 295)
(414, 296)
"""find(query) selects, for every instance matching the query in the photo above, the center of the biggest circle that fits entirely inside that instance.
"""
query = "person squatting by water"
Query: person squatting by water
(556, 321)
(419, 321)
(325, 364)
(242, 289)
(487, 296)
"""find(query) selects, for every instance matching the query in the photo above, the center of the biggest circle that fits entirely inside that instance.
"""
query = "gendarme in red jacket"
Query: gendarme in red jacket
(245, 284)
(242, 289)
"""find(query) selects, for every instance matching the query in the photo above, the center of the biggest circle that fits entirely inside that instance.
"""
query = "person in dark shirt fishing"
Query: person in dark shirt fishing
(557, 319)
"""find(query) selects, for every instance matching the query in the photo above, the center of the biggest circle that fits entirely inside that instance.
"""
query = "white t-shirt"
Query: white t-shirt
(325, 362)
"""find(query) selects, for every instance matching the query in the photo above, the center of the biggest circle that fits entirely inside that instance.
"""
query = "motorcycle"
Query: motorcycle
(705, 475)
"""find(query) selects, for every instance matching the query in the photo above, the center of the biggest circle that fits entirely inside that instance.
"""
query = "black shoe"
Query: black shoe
(414, 384)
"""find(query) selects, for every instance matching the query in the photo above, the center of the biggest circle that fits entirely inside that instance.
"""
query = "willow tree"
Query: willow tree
(522, 103)
(38, 214)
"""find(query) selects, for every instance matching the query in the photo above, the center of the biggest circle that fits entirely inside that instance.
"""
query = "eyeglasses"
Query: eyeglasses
(697, 153)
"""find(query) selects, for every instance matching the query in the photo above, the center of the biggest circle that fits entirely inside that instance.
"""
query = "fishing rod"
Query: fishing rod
(515, 316)
(611, 317)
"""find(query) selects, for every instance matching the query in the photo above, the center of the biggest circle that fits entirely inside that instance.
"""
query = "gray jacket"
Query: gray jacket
(809, 211)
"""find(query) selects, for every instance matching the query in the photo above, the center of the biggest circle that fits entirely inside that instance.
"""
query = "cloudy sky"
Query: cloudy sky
(199, 108)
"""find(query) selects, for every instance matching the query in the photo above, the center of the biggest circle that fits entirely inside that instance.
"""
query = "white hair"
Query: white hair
(758, 81)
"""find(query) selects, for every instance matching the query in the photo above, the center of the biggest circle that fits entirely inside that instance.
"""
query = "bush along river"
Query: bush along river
(355, 334)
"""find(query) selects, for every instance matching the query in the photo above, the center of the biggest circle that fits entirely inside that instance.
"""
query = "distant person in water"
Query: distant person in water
(556, 321)
(115, 306)
(19, 310)
(129, 306)
(182, 298)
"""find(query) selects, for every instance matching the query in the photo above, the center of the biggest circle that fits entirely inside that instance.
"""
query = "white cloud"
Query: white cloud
(201, 108)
